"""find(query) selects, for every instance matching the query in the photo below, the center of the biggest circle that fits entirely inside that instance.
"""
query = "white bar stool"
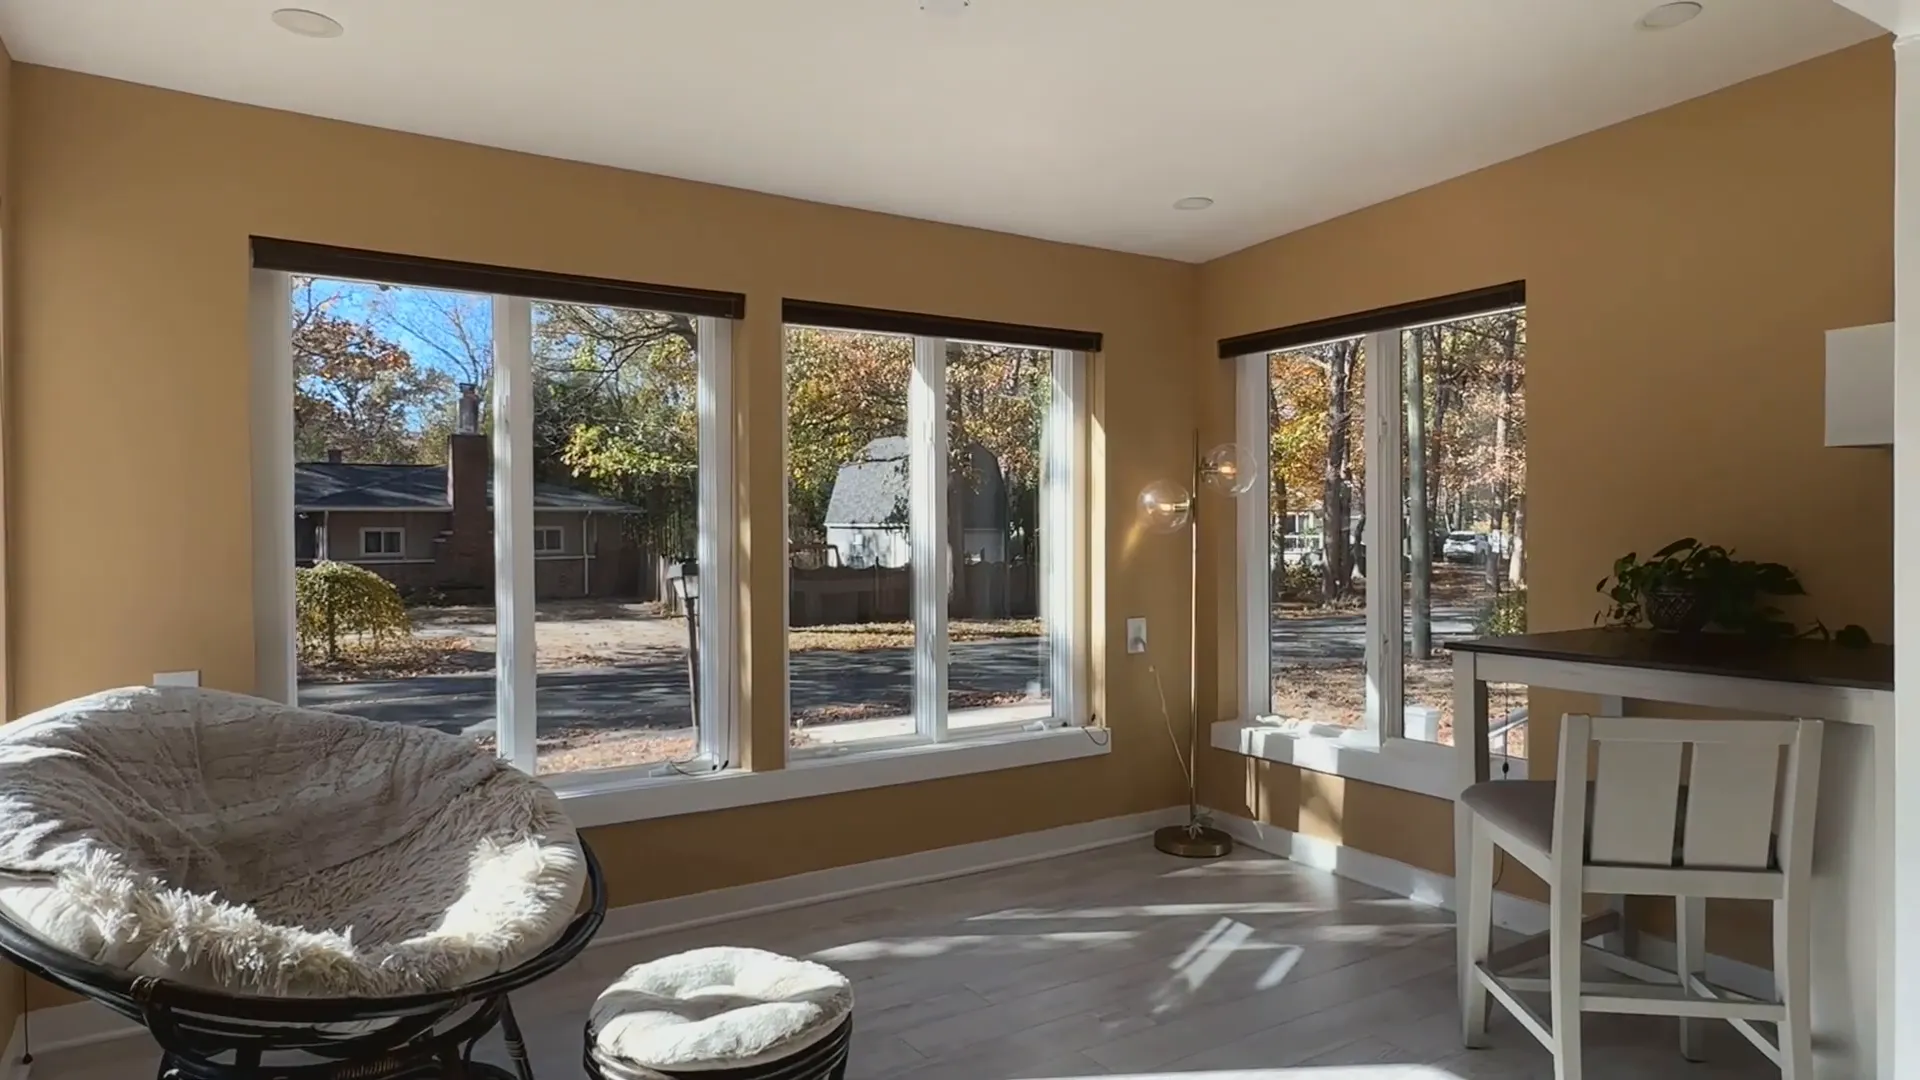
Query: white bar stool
(1733, 828)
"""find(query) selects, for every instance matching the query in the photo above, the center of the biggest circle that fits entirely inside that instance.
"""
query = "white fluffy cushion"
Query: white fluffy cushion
(717, 1008)
(254, 847)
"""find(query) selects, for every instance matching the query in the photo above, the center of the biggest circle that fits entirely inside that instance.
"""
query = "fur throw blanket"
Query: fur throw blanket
(253, 847)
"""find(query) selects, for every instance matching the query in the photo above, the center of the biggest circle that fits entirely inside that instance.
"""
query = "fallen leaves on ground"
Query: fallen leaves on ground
(363, 661)
(861, 637)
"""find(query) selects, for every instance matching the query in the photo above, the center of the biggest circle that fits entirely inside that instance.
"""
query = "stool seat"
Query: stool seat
(717, 1011)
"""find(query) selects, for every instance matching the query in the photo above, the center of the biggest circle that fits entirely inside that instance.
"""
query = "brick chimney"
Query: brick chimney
(469, 465)
(335, 455)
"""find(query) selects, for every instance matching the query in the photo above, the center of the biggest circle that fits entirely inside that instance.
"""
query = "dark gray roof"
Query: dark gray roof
(326, 485)
(872, 489)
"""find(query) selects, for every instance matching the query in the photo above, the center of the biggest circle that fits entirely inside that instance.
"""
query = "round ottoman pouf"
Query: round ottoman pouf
(722, 1014)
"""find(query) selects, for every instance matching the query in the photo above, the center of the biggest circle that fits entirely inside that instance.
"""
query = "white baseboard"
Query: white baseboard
(1513, 913)
(84, 1023)
(684, 912)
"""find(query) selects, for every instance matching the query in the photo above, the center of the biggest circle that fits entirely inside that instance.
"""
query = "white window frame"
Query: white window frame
(717, 729)
(612, 796)
(1377, 752)
(559, 545)
(383, 554)
(1064, 511)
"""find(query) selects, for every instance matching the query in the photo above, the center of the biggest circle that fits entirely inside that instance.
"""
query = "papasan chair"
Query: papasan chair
(276, 892)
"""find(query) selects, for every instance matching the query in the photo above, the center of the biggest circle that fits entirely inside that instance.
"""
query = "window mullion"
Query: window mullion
(513, 589)
(269, 333)
(927, 533)
(1063, 536)
(714, 547)
(1386, 709)
(1253, 431)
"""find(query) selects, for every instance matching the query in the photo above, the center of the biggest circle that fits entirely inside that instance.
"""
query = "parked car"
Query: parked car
(1465, 547)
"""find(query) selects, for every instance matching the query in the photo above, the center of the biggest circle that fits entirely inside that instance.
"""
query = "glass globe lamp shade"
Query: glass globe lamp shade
(1225, 471)
(1166, 506)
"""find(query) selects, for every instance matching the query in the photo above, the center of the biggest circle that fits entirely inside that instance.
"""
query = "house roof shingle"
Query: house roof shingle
(327, 485)
(872, 489)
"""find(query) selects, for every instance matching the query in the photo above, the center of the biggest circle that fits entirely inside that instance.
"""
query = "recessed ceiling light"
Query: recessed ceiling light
(1193, 202)
(308, 23)
(1668, 16)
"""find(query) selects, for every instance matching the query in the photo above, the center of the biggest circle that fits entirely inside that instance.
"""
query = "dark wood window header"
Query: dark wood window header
(880, 320)
(322, 260)
(1419, 313)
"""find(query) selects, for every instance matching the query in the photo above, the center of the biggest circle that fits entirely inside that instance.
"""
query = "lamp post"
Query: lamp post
(1167, 506)
(685, 579)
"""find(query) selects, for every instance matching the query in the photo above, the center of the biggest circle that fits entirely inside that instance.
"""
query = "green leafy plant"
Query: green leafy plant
(1735, 595)
(1504, 614)
(333, 600)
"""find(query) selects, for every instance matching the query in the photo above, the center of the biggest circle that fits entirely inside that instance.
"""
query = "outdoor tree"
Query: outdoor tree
(355, 390)
(616, 410)
(844, 390)
(997, 399)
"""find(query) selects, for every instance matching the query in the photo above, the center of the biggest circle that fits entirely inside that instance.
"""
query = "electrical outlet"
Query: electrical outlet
(1136, 635)
(177, 678)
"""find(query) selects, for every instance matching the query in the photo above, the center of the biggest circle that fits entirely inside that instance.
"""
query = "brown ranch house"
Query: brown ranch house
(429, 528)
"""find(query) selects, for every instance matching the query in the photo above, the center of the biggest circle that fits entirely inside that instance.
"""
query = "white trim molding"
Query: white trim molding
(715, 542)
(700, 909)
(270, 416)
(1407, 764)
(513, 605)
(592, 799)
(931, 558)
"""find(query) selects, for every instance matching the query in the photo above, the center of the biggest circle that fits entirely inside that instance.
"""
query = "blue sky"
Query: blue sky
(415, 319)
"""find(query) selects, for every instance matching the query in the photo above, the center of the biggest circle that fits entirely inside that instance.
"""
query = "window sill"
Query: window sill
(613, 800)
(1407, 764)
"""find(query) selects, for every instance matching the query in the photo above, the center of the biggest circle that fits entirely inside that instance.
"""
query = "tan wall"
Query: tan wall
(132, 288)
(1681, 269)
(1693, 255)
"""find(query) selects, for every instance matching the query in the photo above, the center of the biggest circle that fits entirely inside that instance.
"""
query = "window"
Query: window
(382, 543)
(1463, 428)
(1394, 456)
(935, 491)
(624, 674)
(563, 458)
(564, 467)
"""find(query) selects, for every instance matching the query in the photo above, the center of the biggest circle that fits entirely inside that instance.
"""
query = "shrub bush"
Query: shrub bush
(1504, 614)
(1300, 582)
(335, 600)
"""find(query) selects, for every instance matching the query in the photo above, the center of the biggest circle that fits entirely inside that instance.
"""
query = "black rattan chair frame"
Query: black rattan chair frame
(347, 1038)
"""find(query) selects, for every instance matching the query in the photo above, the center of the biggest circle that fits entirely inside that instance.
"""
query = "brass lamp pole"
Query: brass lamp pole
(1168, 507)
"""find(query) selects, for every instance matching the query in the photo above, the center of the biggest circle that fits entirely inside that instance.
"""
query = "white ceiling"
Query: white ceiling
(1075, 120)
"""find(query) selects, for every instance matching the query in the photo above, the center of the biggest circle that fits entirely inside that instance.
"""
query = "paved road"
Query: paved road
(1327, 638)
(655, 694)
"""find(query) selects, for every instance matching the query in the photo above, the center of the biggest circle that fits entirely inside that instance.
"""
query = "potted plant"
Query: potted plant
(1687, 587)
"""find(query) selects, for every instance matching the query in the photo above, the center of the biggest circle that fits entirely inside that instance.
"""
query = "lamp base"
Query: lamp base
(1204, 842)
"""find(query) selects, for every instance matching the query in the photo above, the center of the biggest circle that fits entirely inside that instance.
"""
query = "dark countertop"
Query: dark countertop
(1818, 663)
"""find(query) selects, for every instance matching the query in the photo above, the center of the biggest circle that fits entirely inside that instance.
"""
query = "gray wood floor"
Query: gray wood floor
(1117, 962)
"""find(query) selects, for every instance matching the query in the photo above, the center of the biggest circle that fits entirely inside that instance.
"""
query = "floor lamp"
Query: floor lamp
(1168, 506)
